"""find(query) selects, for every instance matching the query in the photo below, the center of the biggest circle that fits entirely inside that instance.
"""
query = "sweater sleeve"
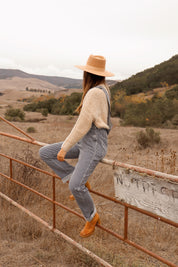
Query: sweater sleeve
(83, 123)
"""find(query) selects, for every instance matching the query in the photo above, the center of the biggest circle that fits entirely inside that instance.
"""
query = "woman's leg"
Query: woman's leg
(83, 169)
(93, 149)
(63, 169)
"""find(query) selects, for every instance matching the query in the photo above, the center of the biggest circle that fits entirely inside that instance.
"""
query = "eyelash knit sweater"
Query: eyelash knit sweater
(94, 110)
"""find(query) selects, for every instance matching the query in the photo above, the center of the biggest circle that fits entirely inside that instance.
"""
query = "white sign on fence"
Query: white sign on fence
(159, 196)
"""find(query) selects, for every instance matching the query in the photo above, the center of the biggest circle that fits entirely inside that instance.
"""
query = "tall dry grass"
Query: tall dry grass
(42, 247)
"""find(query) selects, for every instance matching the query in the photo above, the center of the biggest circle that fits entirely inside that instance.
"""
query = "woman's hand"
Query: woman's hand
(61, 155)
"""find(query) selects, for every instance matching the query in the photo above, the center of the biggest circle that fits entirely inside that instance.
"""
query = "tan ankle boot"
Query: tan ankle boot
(90, 226)
(71, 197)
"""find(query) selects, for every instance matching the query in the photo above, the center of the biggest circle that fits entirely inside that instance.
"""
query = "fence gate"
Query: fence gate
(149, 192)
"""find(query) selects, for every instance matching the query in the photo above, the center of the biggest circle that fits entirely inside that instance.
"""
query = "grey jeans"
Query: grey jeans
(89, 151)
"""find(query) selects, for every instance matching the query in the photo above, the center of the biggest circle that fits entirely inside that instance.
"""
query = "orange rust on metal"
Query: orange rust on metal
(67, 238)
(99, 194)
(22, 139)
(41, 195)
(103, 228)
(157, 174)
(110, 232)
(135, 208)
(113, 163)
(18, 129)
(100, 226)
(127, 206)
(125, 222)
(30, 166)
(150, 253)
(10, 168)
(138, 247)
(56, 203)
(54, 206)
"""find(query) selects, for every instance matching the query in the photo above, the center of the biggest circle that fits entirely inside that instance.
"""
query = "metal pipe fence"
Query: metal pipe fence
(52, 200)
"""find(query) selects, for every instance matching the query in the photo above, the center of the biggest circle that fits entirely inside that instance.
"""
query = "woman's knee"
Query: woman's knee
(76, 186)
(43, 152)
(50, 151)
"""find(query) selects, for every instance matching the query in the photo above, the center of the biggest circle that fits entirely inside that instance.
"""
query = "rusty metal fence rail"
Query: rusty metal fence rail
(52, 200)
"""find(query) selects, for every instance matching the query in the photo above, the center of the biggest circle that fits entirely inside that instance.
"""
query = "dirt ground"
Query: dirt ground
(24, 242)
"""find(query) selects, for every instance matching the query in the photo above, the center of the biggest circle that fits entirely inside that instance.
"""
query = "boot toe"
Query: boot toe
(71, 197)
(90, 226)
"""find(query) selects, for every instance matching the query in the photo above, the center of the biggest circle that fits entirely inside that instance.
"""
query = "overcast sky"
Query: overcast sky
(50, 36)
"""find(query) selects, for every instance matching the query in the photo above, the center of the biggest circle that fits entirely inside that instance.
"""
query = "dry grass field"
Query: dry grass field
(24, 242)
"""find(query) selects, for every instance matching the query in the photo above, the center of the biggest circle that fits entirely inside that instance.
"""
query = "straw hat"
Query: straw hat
(96, 65)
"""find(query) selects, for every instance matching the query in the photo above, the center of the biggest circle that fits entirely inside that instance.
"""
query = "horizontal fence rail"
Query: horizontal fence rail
(52, 200)
(65, 237)
(157, 174)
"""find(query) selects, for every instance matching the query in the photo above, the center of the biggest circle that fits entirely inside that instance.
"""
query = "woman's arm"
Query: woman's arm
(94, 99)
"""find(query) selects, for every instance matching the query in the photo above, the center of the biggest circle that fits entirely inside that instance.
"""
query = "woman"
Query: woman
(87, 140)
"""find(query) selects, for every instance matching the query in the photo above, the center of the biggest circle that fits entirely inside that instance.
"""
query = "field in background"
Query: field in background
(26, 243)
(23, 242)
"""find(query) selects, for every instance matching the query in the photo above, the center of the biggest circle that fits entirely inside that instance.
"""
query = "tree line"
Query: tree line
(157, 111)
(38, 90)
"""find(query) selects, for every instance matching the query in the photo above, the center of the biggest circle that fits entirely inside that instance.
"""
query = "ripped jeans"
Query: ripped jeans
(89, 151)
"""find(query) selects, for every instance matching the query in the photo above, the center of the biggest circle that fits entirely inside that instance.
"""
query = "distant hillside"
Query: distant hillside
(150, 78)
(58, 81)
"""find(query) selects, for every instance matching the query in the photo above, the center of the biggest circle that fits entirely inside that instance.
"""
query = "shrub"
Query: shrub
(31, 130)
(14, 114)
(148, 138)
(152, 113)
(175, 120)
(135, 114)
(65, 105)
(30, 107)
(169, 125)
(44, 112)
(172, 93)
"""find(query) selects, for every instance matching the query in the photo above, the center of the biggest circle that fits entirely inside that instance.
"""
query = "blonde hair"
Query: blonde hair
(89, 81)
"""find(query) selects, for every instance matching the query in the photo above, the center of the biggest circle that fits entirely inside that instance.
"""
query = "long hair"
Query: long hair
(89, 81)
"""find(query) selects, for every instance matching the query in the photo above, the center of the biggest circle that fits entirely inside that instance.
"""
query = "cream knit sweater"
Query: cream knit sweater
(94, 110)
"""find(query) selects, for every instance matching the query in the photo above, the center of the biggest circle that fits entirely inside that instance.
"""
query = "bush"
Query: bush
(14, 115)
(30, 107)
(152, 113)
(31, 130)
(44, 112)
(65, 105)
(148, 138)
(172, 93)
(135, 115)
(175, 120)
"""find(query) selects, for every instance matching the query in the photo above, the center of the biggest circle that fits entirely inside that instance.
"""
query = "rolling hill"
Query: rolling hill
(54, 80)
(165, 72)
(57, 81)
